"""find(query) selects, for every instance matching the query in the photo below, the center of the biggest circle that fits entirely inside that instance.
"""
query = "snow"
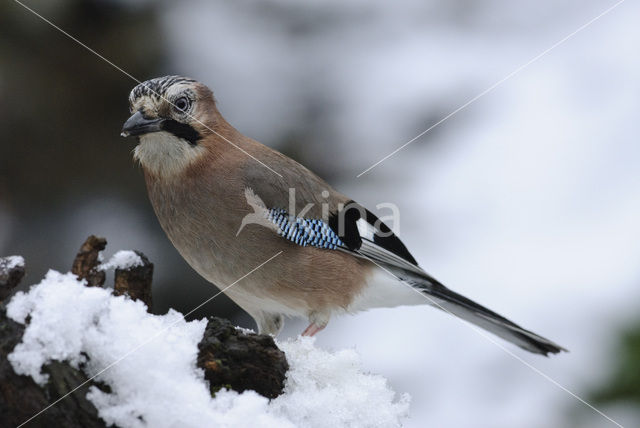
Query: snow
(329, 389)
(11, 262)
(123, 259)
(152, 374)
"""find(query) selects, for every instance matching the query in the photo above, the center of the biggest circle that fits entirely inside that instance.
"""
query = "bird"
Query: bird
(228, 203)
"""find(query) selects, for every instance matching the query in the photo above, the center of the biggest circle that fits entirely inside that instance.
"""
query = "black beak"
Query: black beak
(137, 124)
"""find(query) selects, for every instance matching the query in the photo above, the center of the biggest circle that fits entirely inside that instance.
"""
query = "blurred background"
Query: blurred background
(527, 201)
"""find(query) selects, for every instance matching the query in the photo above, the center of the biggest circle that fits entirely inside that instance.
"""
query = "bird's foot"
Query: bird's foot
(312, 329)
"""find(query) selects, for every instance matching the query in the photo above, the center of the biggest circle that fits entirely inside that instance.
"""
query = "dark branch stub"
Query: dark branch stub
(86, 261)
(135, 281)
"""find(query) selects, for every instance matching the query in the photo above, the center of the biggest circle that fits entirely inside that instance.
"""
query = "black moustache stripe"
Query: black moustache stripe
(181, 130)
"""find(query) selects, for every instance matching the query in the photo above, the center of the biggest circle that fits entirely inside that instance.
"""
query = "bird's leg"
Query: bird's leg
(270, 323)
(317, 321)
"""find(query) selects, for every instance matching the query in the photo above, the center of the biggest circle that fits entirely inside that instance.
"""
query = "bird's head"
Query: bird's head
(170, 115)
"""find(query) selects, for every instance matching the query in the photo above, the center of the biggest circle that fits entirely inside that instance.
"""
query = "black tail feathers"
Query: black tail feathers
(470, 311)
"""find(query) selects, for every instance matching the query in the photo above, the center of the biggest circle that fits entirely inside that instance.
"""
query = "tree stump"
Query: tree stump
(229, 357)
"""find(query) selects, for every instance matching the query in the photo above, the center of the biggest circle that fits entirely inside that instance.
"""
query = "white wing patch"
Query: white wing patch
(365, 229)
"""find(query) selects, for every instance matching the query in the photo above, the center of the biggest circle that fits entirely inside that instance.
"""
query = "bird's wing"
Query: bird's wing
(367, 236)
(304, 205)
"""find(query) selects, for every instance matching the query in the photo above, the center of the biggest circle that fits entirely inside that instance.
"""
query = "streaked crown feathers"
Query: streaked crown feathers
(157, 88)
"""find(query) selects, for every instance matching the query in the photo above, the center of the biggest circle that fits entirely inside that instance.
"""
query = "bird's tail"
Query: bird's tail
(462, 307)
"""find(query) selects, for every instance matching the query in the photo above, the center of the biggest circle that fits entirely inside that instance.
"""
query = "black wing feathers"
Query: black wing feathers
(345, 224)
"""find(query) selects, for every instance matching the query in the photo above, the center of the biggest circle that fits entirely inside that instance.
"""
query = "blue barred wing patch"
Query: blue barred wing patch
(304, 231)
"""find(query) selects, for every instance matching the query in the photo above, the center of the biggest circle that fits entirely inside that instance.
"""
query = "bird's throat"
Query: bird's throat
(164, 154)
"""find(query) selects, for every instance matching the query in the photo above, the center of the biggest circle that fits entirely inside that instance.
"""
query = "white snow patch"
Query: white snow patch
(329, 389)
(245, 330)
(152, 373)
(11, 262)
(123, 259)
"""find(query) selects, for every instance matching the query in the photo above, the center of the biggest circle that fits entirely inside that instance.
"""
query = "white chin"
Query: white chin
(164, 154)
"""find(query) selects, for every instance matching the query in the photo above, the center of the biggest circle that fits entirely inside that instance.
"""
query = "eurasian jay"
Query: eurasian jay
(227, 204)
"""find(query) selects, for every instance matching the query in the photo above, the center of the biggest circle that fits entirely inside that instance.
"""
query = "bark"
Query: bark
(229, 358)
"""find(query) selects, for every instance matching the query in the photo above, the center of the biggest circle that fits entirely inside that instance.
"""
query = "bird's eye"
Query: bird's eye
(181, 104)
